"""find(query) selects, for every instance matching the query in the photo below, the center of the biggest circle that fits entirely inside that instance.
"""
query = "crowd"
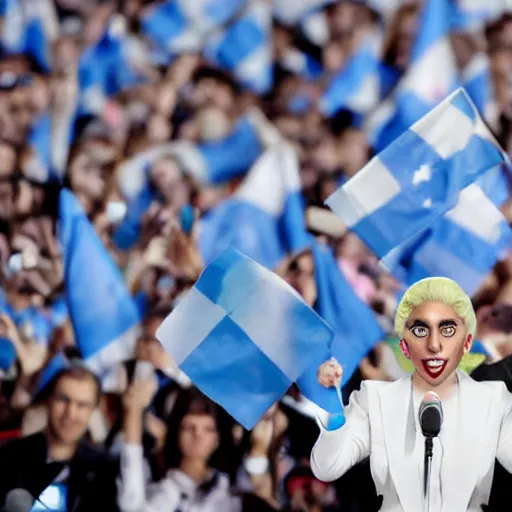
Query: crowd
(154, 135)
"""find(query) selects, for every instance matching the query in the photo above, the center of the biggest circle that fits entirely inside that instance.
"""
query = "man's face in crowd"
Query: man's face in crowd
(70, 408)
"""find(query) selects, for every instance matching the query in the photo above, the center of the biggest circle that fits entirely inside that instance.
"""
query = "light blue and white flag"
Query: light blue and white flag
(244, 47)
(108, 67)
(27, 28)
(356, 87)
(220, 161)
(243, 336)
(431, 76)
(292, 12)
(463, 245)
(105, 317)
(472, 15)
(307, 16)
(177, 26)
(386, 9)
(8, 354)
(54, 366)
(477, 80)
(355, 325)
(208, 163)
(127, 232)
(497, 184)
(38, 162)
(265, 217)
(414, 181)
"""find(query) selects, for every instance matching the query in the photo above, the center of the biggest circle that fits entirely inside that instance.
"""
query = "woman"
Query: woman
(198, 445)
(191, 483)
(436, 323)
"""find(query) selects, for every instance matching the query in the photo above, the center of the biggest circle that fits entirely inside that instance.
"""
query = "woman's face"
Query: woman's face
(86, 177)
(435, 339)
(301, 276)
(352, 249)
(167, 177)
(165, 174)
(198, 436)
(353, 152)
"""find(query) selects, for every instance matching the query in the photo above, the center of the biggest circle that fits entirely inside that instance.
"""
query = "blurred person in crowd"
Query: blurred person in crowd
(60, 457)
(21, 109)
(354, 151)
(401, 36)
(494, 325)
(194, 448)
(214, 87)
(31, 349)
(7, 199)
(150, 357)
(86, 179)
(353, 257)
(174, 187)
(436, 322)
(305, 493)
(261, 459)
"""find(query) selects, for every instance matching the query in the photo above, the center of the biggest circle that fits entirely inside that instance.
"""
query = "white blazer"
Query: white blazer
(378, 424)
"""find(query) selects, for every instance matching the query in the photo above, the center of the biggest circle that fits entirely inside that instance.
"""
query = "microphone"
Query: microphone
(431, 415)
(18, 500)
(430, 418)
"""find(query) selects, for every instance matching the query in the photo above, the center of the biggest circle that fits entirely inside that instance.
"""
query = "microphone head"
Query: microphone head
(18, 500)
(431, 415)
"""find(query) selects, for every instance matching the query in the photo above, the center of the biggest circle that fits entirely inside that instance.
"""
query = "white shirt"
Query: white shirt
(175, 492)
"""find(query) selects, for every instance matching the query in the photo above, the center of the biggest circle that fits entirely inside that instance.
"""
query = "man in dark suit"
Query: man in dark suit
(492, 321)
(60, 458)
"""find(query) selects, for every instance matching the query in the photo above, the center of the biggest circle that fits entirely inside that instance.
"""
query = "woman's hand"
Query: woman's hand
(330, 373)
(139, 395)
(31, 355)
(261, 437)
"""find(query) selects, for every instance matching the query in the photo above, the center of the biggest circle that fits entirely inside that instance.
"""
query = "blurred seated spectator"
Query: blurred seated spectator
(60, 458)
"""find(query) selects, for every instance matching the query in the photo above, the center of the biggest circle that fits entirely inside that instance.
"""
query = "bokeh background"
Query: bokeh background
(182, 128)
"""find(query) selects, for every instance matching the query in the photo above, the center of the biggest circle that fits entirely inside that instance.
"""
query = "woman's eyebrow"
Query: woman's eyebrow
(418, 323)
(447, 323)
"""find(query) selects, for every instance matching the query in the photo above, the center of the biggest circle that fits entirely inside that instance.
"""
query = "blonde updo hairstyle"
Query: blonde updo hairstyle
(440, 290)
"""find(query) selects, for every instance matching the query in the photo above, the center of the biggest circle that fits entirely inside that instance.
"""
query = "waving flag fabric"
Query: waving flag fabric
(265, 217)
(418, 178)
(422, 87)
(243, 336)
(463, 245)
(105, 317)
(245, 48)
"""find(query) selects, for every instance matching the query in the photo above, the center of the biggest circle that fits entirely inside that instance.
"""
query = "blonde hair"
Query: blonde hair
(436, 289)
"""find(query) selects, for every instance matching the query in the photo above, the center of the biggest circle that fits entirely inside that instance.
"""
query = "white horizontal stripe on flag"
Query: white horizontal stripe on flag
(183, 331)
(476, 213)
(446, 128)
(366, 192)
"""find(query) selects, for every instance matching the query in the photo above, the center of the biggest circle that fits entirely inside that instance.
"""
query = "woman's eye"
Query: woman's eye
(419, 332)
(448, 331)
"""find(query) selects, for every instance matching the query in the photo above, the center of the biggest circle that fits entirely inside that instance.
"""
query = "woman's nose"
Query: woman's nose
(434, 343)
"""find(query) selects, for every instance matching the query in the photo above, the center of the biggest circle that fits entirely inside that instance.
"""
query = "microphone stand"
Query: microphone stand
(429, 448)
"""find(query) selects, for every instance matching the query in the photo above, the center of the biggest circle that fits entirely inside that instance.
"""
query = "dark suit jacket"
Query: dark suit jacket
(92, 479)
(499, 500)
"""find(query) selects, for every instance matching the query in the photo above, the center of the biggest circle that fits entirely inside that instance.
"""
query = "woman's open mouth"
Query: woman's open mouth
(434, 367)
